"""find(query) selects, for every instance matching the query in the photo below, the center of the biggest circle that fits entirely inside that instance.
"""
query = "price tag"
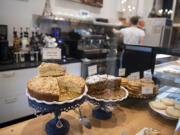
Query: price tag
(51, 53)
(122, 72)
(136, 75)
(148, 77)
(92, 70)
(147, 90)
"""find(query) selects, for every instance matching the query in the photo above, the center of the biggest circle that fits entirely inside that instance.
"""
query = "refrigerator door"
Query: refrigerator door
(157, 32)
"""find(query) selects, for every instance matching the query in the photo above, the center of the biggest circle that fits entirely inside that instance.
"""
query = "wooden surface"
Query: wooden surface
(130, 117)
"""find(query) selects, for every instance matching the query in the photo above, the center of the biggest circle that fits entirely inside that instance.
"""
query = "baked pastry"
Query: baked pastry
(105, 87)
(70, 86)
(44, 88)
(151, 131)
(98, 83)
(173, 112)
(135, 87)
(51, 69)
(157, 105)
(167, 101)
(177, 106)
(53, 84)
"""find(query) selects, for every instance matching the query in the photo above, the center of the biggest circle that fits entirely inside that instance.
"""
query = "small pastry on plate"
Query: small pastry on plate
(173, 112)
(167, 101)
(157, 105)
(151, 131)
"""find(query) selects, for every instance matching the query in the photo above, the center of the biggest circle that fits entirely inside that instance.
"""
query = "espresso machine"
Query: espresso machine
(84, 44)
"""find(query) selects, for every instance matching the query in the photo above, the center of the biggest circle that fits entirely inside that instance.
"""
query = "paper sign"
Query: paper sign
(51, 53)
(122, 72)
(136, 75)
(147, 90)
(130, 78)
(92, 70)
(148, 77)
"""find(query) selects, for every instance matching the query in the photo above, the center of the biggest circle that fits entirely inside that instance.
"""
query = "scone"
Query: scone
(173, 112)
(50, 69)
(44, 88)
(151, 131)
(167, 101)
(177, 106)
(157, 105)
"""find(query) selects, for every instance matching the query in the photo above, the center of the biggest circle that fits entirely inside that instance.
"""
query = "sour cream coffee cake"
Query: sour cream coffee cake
(54, 84)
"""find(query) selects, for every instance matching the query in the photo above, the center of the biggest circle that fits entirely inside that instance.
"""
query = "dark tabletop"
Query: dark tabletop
(24, 65)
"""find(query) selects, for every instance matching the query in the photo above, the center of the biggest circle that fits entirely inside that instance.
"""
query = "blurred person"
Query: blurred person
(132, 35)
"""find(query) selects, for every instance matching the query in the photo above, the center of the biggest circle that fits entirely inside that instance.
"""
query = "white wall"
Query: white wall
(148, 6)
(18, 13)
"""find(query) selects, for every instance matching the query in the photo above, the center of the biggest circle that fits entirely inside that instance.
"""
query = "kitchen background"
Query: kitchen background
(12, 15)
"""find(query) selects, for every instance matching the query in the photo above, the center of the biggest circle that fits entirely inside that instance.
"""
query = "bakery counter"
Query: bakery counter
(16, 66)
(131, 117)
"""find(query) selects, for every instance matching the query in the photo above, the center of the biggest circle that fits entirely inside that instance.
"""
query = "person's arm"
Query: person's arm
(142, 35)
(116, 31)
(141, 42)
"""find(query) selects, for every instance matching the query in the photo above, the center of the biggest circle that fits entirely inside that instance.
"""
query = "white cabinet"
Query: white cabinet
(13, 84)
(13, 100)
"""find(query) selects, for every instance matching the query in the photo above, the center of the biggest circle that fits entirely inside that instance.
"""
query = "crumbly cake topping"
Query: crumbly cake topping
(100, 78)
(50, 66)
(44, 84)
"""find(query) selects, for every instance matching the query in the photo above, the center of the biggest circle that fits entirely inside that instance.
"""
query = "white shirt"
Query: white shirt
(132, 35)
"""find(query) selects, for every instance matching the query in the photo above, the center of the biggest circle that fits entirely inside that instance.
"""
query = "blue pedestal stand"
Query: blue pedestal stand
(101, 112)
(57, 126)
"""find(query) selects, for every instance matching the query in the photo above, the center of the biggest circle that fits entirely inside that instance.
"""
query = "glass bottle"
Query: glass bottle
(16, 41)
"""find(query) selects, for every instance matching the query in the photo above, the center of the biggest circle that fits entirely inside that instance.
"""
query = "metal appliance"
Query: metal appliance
(6, 55)
(3, 32)
(158, 32)
(93, 47)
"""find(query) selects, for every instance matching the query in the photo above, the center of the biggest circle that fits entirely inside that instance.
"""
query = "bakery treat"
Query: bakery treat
(135, 87)
(151, 131)
(70, 86)
(177, 106)
(50, 69)
(167, 101)
(157, 105)
(70, 82)
(53, 84)
(105, 87)
(124, 81)
(44, 88)
(173, 112)
(98, 83)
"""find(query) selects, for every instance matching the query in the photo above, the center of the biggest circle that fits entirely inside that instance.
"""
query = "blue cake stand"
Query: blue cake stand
(58, 125)
(102, 112)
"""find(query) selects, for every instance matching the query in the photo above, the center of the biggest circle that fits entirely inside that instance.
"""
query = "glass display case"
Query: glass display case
(166, 74)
